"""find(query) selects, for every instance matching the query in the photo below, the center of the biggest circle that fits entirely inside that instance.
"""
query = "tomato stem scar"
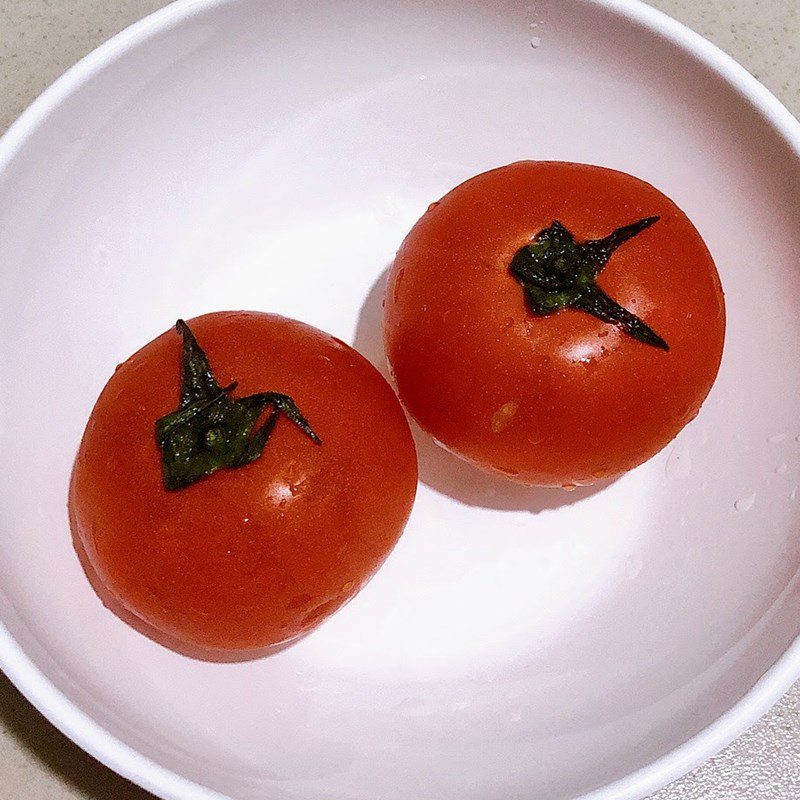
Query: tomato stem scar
(557, 272)
(209, 430)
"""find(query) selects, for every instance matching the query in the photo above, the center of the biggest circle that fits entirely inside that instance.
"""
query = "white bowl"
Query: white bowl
(517, 644)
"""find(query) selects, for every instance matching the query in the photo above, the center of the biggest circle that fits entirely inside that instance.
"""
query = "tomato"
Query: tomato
(547, 381)
(257, 554)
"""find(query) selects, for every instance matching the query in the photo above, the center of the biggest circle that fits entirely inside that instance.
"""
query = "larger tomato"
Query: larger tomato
(254, 555)
(505, 322)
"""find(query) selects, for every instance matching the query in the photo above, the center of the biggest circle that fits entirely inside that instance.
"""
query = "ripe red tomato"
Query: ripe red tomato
(496, 322)
(254, 555)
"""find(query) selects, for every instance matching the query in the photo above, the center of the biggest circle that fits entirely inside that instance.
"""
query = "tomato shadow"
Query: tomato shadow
(159, 637)
(442, 471)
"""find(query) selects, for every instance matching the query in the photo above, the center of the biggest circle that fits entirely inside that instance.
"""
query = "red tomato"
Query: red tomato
(254, 555)
(561, 398)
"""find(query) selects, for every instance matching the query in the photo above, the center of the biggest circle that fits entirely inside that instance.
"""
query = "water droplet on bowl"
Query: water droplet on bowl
(633, 567)
(781, 468)
(777, 438)
(793, 495)
(745, 503)
(679, 464)
(535, 42)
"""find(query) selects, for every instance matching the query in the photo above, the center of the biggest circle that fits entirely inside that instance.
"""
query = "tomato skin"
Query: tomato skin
(254, 556)
(564, 399)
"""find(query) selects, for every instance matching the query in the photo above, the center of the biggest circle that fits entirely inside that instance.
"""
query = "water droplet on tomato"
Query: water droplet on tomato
(397, 281)
(508, 471)
(503, 416)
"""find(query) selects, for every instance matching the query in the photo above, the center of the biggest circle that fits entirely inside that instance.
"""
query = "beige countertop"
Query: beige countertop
(41, 38)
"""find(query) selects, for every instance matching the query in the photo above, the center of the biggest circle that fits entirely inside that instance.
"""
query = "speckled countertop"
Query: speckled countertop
(38, 40)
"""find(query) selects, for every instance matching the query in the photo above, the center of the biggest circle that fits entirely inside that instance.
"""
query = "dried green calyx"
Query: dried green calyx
(212, 431)
(557, 272)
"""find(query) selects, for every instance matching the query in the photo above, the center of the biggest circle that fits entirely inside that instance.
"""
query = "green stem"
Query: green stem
(557, 272)
(596, 302)
(209, 430)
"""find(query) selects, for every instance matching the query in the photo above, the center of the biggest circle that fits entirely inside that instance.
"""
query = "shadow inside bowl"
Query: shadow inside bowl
(58, 756)
(439, 469)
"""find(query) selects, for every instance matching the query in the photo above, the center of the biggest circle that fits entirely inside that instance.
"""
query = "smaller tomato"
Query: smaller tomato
(558, 323)
(263, 502)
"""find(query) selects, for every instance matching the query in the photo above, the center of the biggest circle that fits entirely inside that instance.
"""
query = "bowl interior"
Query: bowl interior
(518, 643)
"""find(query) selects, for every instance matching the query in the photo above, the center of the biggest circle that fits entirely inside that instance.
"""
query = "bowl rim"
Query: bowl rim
(143, 771)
